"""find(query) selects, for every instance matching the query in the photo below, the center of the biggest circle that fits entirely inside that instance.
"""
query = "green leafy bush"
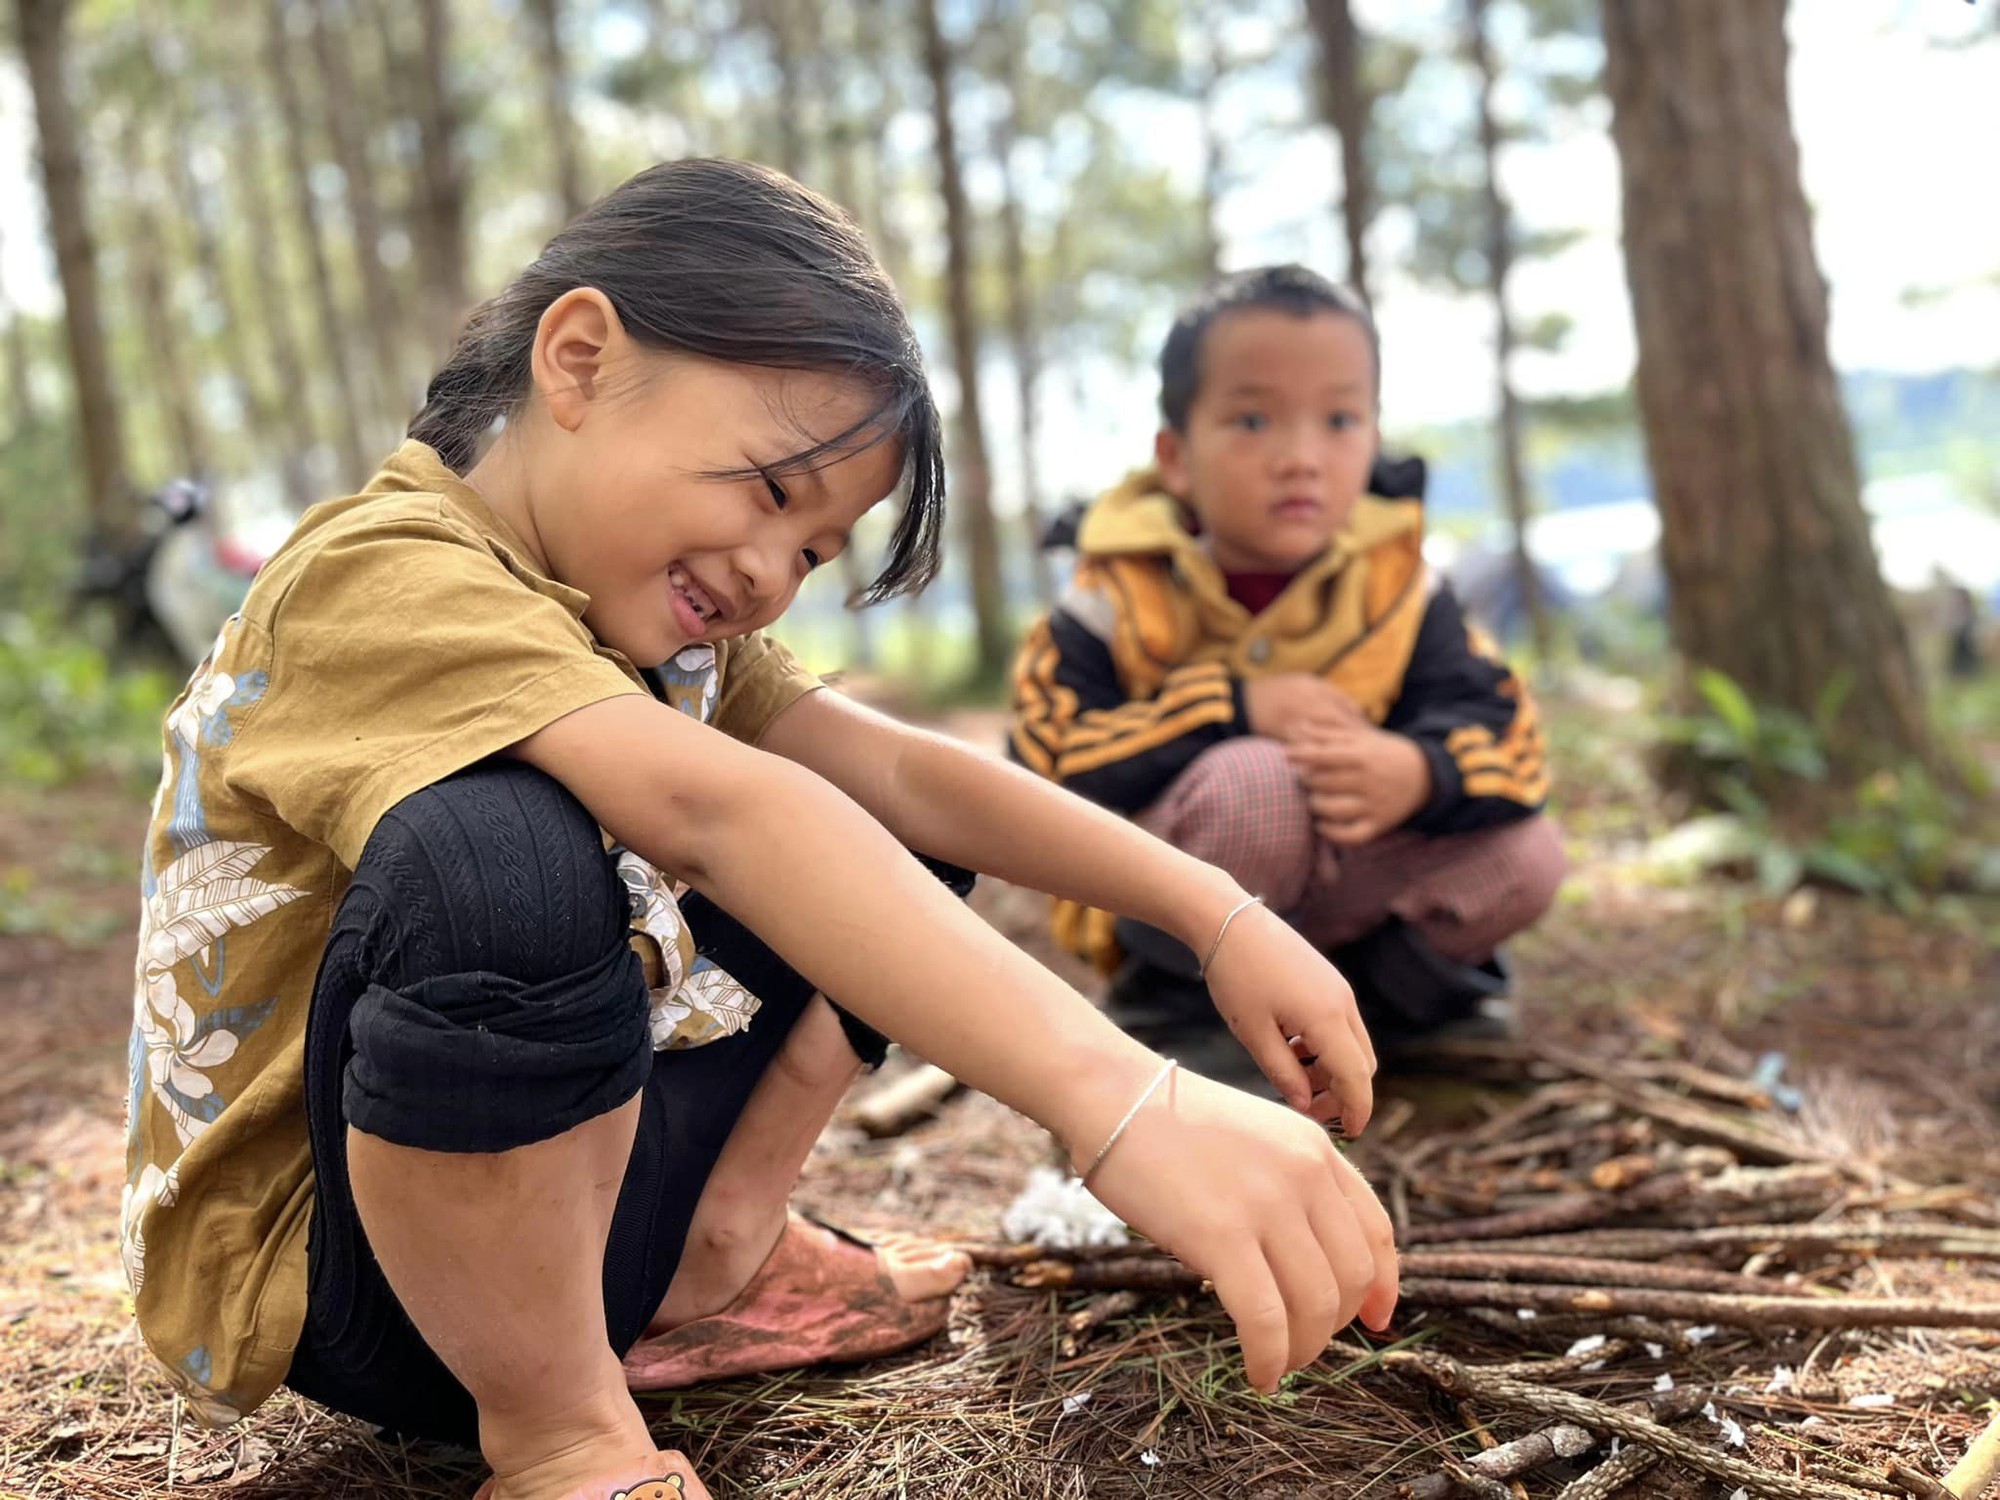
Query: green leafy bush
(66, 712)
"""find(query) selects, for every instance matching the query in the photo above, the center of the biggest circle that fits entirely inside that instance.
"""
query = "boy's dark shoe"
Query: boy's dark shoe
(1408, 992)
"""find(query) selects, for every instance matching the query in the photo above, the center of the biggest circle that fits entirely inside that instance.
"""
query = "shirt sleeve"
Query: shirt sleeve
(760, 680)
(1475, 721)
(401, 652)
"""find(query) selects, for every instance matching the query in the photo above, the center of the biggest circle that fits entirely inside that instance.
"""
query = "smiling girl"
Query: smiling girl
(517, 914)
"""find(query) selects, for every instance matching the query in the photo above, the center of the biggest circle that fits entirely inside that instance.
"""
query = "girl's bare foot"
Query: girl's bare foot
(820, 1297)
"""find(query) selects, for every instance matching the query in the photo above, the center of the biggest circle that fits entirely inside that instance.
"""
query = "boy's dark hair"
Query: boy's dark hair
(734, 262)
(1291, 289)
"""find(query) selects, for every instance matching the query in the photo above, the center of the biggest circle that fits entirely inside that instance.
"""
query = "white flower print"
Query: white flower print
(205, 696)
(711, 1004)
(154, 1189)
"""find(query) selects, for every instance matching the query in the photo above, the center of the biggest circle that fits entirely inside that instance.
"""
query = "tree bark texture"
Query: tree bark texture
(973, 495)
(1023, 337)
(145, 262)
(441, 185)
(335, 341)
(556, 104)
(274, 313)
(1499, 269)
(42, 28)
(1769, 562)
(332, 22)
(1348, 105)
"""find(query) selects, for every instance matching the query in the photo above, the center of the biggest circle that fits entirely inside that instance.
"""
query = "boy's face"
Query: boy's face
(1280, 436)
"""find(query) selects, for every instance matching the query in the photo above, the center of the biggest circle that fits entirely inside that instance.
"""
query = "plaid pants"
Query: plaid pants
(1241, 806)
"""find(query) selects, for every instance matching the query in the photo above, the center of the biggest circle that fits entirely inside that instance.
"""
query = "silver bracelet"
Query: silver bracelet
(1130, 1115)
(1223, 931)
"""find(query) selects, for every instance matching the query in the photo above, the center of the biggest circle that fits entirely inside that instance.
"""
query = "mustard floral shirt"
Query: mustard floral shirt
(399, 636)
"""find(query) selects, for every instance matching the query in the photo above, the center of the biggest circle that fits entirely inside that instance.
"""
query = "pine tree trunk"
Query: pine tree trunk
(557, 109)
(1770, 566)
(973, 494)
(1499, 269)
(828, 54)
(1348, 106)
(171, 369)
(1212, 164)
(334, 335)
(192, 208)
(1024, 345)
(441, 196)
(332, 21)
(41, 27)
(274, 313)
(22, 411)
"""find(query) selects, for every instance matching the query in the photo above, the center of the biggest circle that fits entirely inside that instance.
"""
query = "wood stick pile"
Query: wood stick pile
(1616, 1205)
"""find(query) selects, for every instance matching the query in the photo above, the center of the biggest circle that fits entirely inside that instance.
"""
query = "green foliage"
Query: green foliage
(67, 713)
(1898, 836)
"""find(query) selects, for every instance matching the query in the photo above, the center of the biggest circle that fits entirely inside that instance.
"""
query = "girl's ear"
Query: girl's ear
(576, 342)
(1170, 458)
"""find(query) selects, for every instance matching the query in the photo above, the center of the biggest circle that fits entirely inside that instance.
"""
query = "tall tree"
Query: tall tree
(334, 337)
(558, 108)
(258, 220)
(1499, 238)
(441, 179)
(43, 29)
(173, 368)
(973, 492)
(332, 29)
(1771, 571)
(1008, 20)
(194, 207)
(1347, 102)
(21, 405)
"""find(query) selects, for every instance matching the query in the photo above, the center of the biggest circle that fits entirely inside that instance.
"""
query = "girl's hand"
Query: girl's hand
(1258, 1201)
(1295, 1015)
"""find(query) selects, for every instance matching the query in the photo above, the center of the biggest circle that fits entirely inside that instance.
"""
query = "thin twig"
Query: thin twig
(1704, 1307)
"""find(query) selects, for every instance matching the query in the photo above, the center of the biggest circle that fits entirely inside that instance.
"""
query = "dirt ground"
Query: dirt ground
(1890, 1025)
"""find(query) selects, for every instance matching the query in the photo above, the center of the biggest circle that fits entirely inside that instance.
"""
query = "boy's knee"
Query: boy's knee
(505, 1005)
(1533, 857)
(1241, 805)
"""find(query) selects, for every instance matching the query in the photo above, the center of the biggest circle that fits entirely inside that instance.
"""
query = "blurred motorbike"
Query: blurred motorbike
(172, 586)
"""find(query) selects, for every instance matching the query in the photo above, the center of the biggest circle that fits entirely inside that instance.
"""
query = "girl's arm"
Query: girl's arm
(1252, 1197)
(951, 802)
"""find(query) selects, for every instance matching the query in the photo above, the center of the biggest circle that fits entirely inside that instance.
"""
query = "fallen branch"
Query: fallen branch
(897, 1105)
(1564, 1213)
(1971, 1475)
(1475, 1266)
(1505, 1460)
(1611, 1476)
(1866, 1238)
(1706, 1307)
(1455, 1379)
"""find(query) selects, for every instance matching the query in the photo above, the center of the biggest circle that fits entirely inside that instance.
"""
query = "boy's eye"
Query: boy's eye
(1249, 421)
(812, 558)
(1340, 421)
(778, 495)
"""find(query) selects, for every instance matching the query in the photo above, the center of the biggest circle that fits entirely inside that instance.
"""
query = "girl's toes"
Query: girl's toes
(921, 1271)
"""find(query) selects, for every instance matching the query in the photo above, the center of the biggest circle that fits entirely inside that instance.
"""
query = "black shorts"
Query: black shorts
(478, 993)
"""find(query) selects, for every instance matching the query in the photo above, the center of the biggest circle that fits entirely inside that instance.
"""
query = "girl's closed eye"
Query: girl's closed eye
(778, 495)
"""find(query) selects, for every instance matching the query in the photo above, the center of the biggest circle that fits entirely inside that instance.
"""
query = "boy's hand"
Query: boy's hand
(1295, 1015)
(1258, 1201)
(1361, 781)
(1290, 705)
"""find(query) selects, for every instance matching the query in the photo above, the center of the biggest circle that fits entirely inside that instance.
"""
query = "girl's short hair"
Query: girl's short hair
(734, 262)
